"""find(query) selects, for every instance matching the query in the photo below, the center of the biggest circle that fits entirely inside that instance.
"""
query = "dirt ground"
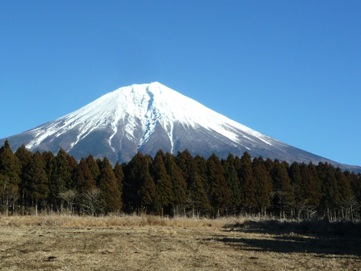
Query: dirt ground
(54, 245)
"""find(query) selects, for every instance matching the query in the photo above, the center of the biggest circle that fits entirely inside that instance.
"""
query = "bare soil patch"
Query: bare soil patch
(153, 243)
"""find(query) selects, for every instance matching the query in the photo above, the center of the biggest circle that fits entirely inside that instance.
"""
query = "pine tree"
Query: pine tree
(330, 195)
(9, 177)
(164, 196)
(37, 179)
(233, 182)
(93, 167)
(355, 181)
(344, 188)
(311, 189)
(24, 156)
(298, 187)
(50, 161)
(179, 184)
(139, 188)
(84, 178)
(131, 183)
(61, 179)
(283, 197)
(263, 182)
(202, 169)
(119, 175)
(109, 188)
(245, 174)
(219, 194)
(197, 195)
(84, 185)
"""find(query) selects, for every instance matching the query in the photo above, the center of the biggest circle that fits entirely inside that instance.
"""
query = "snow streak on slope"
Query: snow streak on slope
(148, 105)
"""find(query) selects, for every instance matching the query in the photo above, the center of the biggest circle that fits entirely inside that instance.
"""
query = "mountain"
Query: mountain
(149, 117)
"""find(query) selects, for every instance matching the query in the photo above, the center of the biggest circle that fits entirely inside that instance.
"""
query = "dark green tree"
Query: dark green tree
(283, 198)
(61, 180)
(9, 177)
(197, 195)
(108, 186)
(119, 175)
(330, 195)
(344, 188)
(24, 156)
(248, 186)
(88, 196)
(355, 181)
(164, 195)
(202, 169)
(219, 194)
(179, 184)
(37, 179)
(233, 183)
(311, 190)
(93, 167)
(298, 187)
(263, 183)
(139, 188)
(84, 178)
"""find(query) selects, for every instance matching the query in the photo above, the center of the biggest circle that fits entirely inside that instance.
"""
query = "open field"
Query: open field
(153, 243)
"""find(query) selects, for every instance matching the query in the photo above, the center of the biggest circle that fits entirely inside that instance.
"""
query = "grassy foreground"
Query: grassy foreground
(154, 243)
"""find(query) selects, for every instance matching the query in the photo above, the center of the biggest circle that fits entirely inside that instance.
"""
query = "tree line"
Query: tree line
(181, 184)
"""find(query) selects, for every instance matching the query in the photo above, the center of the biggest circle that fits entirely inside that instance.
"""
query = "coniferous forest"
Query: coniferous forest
(32, 183)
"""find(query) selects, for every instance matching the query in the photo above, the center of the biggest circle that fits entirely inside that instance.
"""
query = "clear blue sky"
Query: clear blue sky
(288, 69)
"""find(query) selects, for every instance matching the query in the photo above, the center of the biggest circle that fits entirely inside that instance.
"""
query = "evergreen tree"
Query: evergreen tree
(298, 187)
(139, 188)
(219, 194)
(9, 177)
(312, 185)
(37, 179)
(330, 195)
(179, 184)
(233, 182)
(85, 186)
(84, 178)
(344, 188)
(24, 156)
(283, 197)
(108, 186)
(73, 165)
(202, 169)
(119, 175)
(263, 183)
(164, 196)
(355, 181)
(245, 174)
(93, 167)
(61, 179)
(50, 161)
(197, 195)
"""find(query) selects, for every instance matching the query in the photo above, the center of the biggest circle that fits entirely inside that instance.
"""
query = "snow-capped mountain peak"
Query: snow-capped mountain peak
(149, 117)
(146, 104)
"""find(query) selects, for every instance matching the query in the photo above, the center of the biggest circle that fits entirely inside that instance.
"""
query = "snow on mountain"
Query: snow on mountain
(147, 104)
(149, 117)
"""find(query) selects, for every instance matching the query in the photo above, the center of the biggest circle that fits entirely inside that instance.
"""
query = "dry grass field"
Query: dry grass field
(153, 243)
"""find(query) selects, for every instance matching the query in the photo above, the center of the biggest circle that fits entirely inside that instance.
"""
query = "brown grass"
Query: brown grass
(155, 243)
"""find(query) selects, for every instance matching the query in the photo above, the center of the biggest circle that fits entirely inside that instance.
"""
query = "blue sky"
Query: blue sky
(288, 69)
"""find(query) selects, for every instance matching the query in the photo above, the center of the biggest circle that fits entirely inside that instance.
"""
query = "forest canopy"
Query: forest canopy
(180, 184)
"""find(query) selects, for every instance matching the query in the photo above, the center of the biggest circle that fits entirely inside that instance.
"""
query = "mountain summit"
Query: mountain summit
(149, 117)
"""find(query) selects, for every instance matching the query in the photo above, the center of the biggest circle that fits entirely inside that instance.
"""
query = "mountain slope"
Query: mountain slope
(149, 117)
